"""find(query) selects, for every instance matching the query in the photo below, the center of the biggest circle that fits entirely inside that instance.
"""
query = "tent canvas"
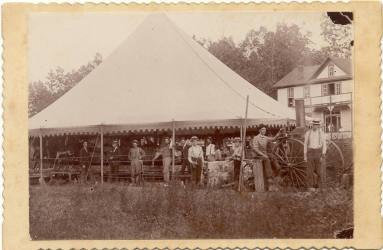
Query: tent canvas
(158, 74)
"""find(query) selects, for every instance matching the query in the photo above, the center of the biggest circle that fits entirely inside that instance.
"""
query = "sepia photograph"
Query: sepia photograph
(190, 125)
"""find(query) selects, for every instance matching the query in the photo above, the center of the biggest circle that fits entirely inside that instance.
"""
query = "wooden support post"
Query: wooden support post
(173, 147)
(41, 158)
(241, 130)
(102, 153)
(259, 180)
(243, 144)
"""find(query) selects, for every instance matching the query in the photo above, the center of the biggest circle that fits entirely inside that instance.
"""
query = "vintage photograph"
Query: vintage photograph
(190, 125)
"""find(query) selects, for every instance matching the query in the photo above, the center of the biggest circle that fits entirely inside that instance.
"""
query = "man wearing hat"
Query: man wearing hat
(166, 152)
(237, 157)
(196, 159)
(314, 151)
(210, 150)
(135, 156)
(114, 163)
(259, 145)
(184, 148)
(84, 161)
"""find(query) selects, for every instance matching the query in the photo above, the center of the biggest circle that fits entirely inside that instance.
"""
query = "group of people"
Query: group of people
(194, 156)
(314, 152)
(135, 156)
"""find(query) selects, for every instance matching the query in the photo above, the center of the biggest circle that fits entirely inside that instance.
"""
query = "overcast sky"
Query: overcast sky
(69, 40)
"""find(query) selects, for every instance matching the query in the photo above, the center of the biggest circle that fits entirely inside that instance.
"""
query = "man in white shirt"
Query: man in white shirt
(196, 159)
(210, 150)
(314, 151)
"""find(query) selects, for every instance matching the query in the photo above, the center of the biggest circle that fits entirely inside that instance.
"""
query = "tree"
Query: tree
(338, 37)
(264, 57)
(228, 53)
(56, 84)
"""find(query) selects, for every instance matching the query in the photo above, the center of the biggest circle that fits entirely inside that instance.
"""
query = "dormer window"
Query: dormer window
(331, 70)
(290, 97)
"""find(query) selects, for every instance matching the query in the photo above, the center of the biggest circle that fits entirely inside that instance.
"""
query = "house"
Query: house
(327, 92)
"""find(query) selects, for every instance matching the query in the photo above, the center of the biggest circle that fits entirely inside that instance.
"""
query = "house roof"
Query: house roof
(303, 75)
(158, 74)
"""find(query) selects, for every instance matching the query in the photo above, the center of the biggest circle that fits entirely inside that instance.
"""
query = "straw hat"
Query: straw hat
(193, 138)
(134, 141)
(237, 139)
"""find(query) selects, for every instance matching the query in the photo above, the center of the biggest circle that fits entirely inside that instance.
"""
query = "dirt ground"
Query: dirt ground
(117, 211)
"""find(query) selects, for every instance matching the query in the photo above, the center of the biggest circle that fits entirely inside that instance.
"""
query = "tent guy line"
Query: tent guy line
(178, 31)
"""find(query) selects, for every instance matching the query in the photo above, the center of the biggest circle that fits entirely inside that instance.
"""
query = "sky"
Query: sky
(69, 40)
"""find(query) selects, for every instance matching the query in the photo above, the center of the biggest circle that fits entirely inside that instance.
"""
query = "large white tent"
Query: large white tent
(157, 78)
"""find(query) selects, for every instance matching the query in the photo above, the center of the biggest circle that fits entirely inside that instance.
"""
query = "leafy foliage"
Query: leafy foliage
(339, 38)
(56, 84)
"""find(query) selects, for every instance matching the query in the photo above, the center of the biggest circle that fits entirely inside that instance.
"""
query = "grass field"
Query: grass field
(157, 212)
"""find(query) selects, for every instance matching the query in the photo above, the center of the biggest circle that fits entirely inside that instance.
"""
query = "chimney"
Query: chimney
(300, 113)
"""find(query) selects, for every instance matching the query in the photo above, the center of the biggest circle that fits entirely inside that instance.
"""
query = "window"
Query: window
(306, 91)
(331, 70)
(291, 102)
(338, 89)
(290, 97)
(291, 92)
(331, 89)
(324, 89)
(333, 121)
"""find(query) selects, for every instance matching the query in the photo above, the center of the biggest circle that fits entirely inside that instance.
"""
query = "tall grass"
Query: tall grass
(156, 212)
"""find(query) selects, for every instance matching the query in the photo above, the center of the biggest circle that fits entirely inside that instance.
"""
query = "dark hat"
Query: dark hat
(315, 122)
(261, 126)
(194, 138)
(237, 139)
(134, 141)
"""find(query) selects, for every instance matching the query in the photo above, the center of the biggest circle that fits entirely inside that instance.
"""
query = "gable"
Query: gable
(326, 68)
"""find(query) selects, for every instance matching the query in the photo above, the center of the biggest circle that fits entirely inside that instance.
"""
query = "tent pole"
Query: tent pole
(243, 144)
(241, 130)
(41, 158)
(102, 153)
(173, 146)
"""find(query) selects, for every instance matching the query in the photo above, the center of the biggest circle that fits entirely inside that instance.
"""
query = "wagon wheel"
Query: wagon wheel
(334, 162)
(288, 152)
